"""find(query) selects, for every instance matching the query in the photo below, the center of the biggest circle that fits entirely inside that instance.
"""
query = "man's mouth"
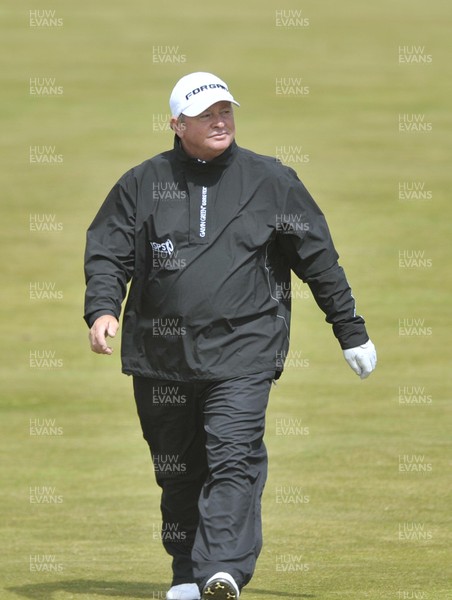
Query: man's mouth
(218, 135)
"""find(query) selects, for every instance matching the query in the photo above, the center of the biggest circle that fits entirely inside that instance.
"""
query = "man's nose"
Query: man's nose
(218, 121)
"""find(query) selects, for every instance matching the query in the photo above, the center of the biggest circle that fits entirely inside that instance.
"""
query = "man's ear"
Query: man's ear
(177, 126)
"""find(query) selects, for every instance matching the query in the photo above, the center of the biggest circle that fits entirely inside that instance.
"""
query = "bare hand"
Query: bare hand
(103, 327)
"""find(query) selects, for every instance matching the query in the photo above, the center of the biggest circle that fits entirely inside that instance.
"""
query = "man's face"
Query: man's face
(207, 135)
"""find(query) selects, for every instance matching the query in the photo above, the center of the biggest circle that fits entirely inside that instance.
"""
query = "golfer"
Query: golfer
(208, 234)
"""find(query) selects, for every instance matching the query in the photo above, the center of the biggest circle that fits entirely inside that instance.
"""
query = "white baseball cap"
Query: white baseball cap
(195, 92)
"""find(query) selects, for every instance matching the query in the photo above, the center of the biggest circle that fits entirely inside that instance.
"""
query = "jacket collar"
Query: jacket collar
(222, 161)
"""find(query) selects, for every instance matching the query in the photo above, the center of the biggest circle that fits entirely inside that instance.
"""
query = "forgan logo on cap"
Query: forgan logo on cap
(203, 88)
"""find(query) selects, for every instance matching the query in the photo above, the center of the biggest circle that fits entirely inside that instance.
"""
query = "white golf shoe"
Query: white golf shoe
(221, 586)
(183, 591)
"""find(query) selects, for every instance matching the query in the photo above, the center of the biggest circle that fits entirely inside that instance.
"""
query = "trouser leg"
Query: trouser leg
(172, 423)
(229, 536)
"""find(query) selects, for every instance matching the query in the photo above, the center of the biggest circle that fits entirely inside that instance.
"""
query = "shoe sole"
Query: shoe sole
(219, 589)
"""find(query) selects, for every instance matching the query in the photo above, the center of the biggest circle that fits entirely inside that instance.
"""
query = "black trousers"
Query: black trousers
(206, 443)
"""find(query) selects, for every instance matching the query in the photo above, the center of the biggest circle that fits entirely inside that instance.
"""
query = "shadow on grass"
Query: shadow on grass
(117, 589)
(109, 589)
(273, 594)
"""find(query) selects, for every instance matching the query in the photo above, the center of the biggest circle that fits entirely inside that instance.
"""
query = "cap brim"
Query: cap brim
(202, 103)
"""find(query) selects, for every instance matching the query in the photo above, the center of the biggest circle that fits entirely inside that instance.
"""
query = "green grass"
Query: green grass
(348, 538)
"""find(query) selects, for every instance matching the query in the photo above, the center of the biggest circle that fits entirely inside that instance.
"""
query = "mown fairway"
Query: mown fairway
(356, 97)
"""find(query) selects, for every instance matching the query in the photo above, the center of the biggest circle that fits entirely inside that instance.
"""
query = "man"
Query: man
(206, 233)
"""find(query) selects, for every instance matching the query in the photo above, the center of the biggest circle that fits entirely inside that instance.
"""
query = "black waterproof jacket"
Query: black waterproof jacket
(208, 247)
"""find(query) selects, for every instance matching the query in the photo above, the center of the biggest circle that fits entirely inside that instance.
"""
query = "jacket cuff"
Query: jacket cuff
(352, 339)
(89, 319)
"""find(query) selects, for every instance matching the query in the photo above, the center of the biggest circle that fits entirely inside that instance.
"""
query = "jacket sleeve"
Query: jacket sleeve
(305, 240)
(109, 254)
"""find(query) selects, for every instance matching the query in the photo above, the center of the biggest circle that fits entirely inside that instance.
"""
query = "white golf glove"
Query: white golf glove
(362, 359)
